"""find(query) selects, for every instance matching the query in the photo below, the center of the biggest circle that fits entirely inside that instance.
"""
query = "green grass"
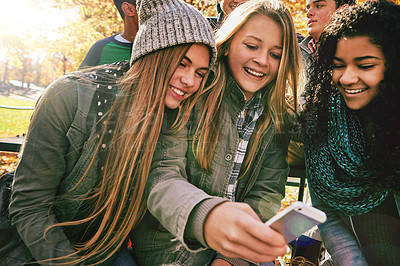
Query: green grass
(14, 122)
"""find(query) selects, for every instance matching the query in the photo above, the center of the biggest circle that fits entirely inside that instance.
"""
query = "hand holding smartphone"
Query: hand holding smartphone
(296, 219)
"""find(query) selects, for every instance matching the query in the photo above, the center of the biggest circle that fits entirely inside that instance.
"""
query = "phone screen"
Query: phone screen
(294, 224)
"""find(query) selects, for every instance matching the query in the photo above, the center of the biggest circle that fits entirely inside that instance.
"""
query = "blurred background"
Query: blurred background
(42, 40)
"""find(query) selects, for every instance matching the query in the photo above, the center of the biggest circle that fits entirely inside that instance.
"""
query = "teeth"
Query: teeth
(254, 73)
(354, 91)
(179, 92)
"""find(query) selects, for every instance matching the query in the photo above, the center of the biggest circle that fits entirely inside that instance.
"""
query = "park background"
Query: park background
(42, 40)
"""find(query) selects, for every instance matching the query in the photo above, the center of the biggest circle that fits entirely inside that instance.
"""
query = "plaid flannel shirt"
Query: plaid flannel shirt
(245, 126)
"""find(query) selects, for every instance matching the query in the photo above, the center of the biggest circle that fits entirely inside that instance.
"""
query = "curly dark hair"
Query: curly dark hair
(380, 22)
(340, 3)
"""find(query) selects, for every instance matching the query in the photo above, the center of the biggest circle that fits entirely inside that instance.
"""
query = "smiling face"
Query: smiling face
(319, 13)
(358, 69)
(255, 53)
(188, 76)
(229, 5)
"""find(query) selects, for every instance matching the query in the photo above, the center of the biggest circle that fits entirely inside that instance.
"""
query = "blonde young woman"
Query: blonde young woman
(78, 189)
(214, 193)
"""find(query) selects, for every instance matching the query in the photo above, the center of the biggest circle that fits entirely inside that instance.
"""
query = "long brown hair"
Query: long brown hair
(118, 203)
(275, 93)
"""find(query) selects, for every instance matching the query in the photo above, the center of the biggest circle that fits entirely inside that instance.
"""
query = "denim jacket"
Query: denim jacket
(57, 151)
(180, 194)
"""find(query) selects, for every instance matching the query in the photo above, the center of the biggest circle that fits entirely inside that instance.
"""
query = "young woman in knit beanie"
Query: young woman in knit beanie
(213, 192)
(78, 189)
(352, 134)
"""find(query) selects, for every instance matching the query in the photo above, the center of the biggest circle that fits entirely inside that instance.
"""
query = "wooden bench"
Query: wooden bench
(297, 178)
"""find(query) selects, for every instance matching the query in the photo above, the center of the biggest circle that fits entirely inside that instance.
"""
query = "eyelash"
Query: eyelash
(251, 47)
(337, 66)
(276, 56)
(362, 67)
(365, 67)
(201, 75)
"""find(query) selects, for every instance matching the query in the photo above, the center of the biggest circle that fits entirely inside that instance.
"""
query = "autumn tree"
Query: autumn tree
(100, 19)
(97, 19)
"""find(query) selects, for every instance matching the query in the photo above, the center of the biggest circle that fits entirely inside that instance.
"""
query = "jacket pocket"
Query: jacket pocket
(76, 138)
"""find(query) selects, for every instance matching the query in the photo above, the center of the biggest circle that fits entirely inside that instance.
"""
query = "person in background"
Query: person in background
(78, 188)
(214, 183)
(224, 8)
(117, 47)
(352, 134)
(319, 13)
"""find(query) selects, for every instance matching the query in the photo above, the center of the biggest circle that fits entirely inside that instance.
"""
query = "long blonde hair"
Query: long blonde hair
(275, 94)
(117, 202)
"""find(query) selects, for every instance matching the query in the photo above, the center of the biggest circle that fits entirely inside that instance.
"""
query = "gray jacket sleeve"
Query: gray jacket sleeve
(171, 197)
(40, 171)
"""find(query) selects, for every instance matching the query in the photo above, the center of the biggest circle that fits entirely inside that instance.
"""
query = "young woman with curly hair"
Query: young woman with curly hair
(352, 134)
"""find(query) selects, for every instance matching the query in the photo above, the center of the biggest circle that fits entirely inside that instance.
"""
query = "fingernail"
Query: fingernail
(287, 249)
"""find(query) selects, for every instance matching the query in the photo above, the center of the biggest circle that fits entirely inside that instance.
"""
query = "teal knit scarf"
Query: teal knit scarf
(335, 168)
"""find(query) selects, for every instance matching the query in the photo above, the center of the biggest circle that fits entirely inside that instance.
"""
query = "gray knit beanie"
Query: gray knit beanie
(165, 23)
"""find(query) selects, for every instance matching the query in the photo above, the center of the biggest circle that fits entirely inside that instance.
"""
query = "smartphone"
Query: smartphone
(296, 219)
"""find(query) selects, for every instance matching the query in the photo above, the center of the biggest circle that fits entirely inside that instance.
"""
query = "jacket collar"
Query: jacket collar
(304, 45)
(234, 97)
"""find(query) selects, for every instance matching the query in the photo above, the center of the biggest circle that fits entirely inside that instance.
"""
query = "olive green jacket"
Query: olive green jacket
(181, 194)
(58, 149)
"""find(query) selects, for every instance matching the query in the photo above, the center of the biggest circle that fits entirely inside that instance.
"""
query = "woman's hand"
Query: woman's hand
(234, 230)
